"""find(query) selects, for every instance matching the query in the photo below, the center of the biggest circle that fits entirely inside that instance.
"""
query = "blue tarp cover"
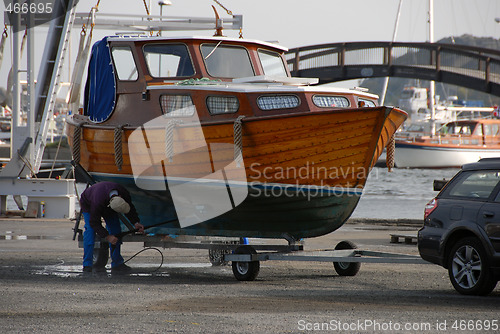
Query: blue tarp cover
(101, 86)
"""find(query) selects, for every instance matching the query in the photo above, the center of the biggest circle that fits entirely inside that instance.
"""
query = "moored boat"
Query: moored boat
(213, 135)
(455, 144)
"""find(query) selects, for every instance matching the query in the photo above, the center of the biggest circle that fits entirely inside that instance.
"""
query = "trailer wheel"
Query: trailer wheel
(346, 268)
(245, 271)
(101, 254)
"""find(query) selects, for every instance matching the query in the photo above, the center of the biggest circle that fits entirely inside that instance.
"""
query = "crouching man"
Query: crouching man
(106, 200)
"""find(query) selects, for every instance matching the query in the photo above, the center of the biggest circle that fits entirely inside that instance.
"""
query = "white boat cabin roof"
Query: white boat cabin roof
(142, 38)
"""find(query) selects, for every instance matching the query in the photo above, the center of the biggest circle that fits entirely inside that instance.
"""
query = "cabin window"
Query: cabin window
(330, 101)
(222, 104)
(270, 102)
(365, 103)
(168, 60)
(177, 105)
(123, 60)
(224, 61)
(458, 129)
(272, 63)
(490, 129)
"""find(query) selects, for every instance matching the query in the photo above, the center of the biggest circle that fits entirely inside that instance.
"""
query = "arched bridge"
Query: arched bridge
(471, 67)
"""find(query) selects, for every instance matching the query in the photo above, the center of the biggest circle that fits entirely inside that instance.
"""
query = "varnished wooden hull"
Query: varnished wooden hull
(319, 162)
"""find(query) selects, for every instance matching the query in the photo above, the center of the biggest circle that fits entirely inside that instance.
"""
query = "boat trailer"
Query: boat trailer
(245, 258)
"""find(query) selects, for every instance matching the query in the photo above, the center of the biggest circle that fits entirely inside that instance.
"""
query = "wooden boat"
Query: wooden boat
(456, 143)
(263, 154)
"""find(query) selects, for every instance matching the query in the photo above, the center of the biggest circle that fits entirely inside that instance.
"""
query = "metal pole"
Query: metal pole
(16, 55)
(16, 89)
(394, 34)
(30, 112)
(432, 87)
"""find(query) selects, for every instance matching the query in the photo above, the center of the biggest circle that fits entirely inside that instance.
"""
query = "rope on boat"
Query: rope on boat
(77, 133)
(73, 98)
(202, 81)
(238, 142)
(2, 44)
(169, 138)
(391, 149)
(223, 7)
(55, 157)
(118, 145)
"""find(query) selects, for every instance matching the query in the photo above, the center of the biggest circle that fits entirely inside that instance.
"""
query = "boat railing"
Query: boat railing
(442, 139)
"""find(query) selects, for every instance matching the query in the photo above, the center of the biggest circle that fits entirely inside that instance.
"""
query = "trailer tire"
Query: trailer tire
(346, 268)
(245, 271)
(101, 255)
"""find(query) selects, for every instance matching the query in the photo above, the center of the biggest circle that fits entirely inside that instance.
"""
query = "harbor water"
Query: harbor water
(400, 194)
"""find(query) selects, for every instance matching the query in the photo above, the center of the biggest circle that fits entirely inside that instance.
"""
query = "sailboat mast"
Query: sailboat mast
(394, 34)
(432, 88)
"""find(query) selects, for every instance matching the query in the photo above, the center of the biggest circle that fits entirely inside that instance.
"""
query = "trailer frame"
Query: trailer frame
(245, 258)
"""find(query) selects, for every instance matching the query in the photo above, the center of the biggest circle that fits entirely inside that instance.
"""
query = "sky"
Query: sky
(295, 23)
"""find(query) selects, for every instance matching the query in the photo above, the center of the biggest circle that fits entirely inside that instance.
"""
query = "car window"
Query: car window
(475, 184)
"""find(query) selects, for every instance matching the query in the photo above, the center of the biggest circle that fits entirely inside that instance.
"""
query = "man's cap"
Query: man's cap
(118, 204)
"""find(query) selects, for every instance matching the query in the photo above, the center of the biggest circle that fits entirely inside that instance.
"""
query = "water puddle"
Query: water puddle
(28, 237)
(9, 235)
(138, 270)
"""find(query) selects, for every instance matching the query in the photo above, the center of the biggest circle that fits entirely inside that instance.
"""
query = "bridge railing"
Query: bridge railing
(432, 61)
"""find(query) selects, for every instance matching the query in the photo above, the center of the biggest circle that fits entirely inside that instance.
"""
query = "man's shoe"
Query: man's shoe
(121, 269)
(99, 269)
(87, 269)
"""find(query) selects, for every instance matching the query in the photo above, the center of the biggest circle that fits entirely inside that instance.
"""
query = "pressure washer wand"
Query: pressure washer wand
(122, 234)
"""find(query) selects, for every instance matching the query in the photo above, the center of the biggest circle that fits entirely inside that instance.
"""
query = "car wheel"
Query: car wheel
(468, 268)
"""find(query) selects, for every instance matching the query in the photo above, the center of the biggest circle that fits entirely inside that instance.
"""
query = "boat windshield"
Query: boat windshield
(272, 63)
(168, 60)
(458, 128)
(225, 61)
(407, 94)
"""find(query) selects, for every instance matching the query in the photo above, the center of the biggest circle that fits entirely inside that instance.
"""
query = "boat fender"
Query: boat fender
(77, 134)
(169, 138)
(118, 145)
(238, 141)
(391, 150)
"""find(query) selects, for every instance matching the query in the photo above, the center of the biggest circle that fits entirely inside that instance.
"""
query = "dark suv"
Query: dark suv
(462, 228)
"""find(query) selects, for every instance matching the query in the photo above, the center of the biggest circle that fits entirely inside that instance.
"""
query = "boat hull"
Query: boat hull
(269, 211)
(415, 155)
(303, 173)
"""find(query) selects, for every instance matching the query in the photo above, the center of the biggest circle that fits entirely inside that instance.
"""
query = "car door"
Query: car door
(489, 219)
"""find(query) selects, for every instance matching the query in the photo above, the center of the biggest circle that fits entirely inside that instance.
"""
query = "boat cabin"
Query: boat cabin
(132, 80)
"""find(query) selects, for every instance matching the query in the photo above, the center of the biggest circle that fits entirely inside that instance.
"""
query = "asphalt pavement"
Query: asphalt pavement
(45, 291)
